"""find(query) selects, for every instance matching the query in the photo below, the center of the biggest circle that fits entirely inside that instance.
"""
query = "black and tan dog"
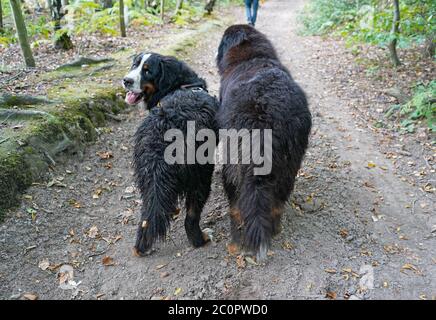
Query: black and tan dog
(258, 92)
(174, 94)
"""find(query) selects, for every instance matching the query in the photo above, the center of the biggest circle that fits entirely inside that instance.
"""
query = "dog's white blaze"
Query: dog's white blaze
(135, 74)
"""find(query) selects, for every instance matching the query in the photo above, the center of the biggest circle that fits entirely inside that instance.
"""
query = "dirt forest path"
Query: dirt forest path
(349, 232)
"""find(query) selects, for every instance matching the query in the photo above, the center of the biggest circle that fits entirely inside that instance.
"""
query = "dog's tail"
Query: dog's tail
(255, 204)
(159, 196)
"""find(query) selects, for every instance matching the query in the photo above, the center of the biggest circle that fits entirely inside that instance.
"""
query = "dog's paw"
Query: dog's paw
(262, 254)
(143, 245)
(207, 234)
(138, 253)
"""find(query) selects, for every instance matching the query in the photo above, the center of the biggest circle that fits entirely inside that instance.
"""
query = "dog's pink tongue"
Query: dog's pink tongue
(131, 97)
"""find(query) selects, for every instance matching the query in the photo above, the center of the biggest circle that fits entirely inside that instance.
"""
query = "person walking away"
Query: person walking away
(251, 7)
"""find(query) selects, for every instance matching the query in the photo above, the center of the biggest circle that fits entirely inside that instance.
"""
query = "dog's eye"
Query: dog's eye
(147, 71)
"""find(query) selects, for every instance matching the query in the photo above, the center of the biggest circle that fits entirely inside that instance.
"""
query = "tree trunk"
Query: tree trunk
(179, 5)
(162, 5)
(1, 17)
(22, 33)
(429, 46)
(122, 23)
(394, 34)
(209, 6)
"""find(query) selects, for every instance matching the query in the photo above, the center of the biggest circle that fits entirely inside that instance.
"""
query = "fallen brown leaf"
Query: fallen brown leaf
(240, 262)
(93, 232)
(105, 155)
(409, 266)
(343, 233)
(107, 261)
(287, 245)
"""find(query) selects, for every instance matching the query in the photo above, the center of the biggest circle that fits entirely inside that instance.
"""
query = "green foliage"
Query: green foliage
(370, 20)
(190, 12)
(422, 106)
(89, 17)
(321, 16)
(86, 16)
(41, 28)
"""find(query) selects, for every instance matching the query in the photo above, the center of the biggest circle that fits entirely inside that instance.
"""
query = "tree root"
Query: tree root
(11, 113)
(78, 62)
(10, 100)
(397, 94)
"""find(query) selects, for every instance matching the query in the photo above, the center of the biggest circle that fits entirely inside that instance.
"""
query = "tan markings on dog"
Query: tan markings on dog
(236, 215)
(206, 237)
(277, 212)
(233, 249)
(136, 252)
(144, 224)
(175, 214)
(149, 88)
(145, 66)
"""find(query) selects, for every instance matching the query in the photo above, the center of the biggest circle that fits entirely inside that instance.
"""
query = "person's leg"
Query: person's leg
(255, 4)
(248, 10)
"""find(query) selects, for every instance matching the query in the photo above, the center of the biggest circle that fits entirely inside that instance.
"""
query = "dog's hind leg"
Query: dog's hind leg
(236, 229)
(236, 222)
(194, 206)
(195, 201)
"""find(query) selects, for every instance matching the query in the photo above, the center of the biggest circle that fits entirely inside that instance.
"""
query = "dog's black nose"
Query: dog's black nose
(127, 82)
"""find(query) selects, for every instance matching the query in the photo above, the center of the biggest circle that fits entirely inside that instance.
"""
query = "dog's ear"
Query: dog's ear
(230, 41)
(168, 71)
(235, 39)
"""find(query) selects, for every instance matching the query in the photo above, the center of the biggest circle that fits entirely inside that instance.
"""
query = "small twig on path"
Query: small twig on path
(46, 211)
(97, 254)
(26, 250)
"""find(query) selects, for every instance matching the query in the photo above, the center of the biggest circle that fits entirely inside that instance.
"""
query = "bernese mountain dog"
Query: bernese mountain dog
(258, 92)
(174, 95)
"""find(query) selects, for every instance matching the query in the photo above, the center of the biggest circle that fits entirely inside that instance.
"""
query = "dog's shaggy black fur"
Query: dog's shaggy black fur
(258, 92)
(162, 184)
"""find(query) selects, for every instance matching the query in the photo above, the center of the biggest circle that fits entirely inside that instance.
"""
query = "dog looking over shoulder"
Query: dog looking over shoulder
(174, 94)
(258, 92)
